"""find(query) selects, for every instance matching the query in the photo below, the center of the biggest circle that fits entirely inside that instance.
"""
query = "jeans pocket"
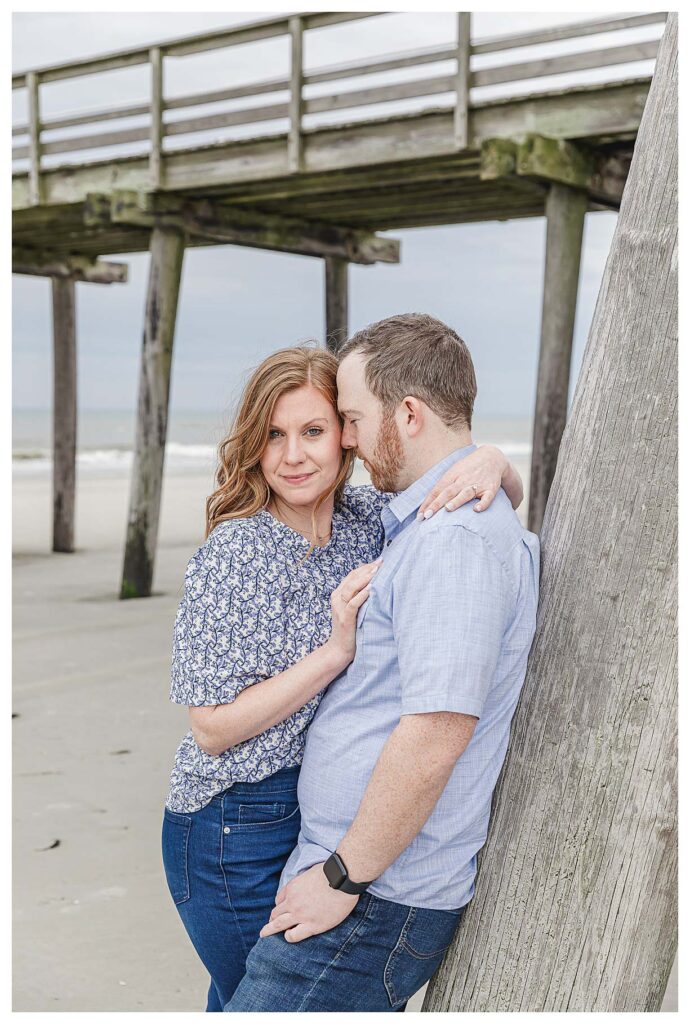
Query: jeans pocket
(176, 828)
(257, 817)
(423, 941)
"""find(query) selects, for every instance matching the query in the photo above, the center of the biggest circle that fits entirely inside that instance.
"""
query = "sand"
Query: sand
(94, 926)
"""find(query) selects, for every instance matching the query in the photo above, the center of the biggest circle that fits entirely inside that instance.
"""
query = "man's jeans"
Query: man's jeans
(378, 957)
(223, 864)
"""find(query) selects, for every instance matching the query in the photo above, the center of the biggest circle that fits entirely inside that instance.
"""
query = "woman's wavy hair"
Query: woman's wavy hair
(241, 487)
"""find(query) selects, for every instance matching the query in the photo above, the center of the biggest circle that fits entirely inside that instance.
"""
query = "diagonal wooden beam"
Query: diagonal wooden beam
(240, 226)
(44, 263)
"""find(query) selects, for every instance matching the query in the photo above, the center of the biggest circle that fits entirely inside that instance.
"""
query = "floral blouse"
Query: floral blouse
(251, 608)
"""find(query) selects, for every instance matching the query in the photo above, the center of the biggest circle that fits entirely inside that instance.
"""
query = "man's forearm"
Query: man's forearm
(409, 777)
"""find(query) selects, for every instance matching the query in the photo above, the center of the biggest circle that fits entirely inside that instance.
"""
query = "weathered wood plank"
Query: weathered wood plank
(296, 102)
(555, 160)
(336, 302)
(566, 63)
(333, 73)
(355, 98)
(406, 59)
(603, 175)
(157, 127)
(33, 150)
(252, 227)
(167, 251)
(266, 29)
(576, 901)
(462, 81)
(75, 266)
(565, 216)
(92, 117)
(498, 158)
(611, 111)
(179, 47)
(96, 211)
(575, 30)
(426, 169)
(64, 412)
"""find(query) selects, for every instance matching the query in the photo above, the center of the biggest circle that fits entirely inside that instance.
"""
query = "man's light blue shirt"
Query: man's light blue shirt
(448, 626)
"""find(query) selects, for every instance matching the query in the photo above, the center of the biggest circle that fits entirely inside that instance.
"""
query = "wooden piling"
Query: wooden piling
(336, 302)
(565, 214)
(167, 251)
(64, 413)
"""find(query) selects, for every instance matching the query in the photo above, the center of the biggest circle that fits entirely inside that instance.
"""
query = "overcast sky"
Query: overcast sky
(238, 304)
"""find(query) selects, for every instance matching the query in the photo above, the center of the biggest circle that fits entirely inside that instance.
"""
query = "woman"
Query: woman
(266, 622)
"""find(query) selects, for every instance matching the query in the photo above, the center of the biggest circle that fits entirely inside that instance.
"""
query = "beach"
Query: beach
(94, 739)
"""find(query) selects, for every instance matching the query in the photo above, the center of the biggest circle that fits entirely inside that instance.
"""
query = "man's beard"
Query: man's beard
(386, 462)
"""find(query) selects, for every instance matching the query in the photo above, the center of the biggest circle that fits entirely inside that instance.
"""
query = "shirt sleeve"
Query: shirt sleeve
(365, 500)
(449, 617)
(218, 630)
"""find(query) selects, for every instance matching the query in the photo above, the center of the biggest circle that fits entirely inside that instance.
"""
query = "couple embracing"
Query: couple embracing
(351, 658)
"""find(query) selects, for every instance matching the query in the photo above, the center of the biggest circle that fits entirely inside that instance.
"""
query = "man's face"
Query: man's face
(367, 427)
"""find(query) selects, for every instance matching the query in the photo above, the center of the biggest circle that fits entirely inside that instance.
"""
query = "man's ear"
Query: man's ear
(411, 415)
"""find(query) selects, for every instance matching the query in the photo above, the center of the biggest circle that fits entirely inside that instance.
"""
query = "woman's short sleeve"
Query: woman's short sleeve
(218, 631)
(365, 500)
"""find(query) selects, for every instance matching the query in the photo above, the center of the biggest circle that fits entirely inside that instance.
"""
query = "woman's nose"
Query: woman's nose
(294, 451)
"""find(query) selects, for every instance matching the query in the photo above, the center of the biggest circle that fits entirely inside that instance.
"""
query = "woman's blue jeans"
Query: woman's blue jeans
(223, 864)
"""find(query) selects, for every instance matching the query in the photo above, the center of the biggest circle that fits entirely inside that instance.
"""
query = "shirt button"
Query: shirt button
(226, 829)
(389, 542)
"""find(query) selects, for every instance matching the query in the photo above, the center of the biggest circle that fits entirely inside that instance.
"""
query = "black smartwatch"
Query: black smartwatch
(335, 871)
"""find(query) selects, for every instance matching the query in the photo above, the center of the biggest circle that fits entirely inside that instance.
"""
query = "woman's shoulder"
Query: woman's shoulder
(364, 501)
(233, 543)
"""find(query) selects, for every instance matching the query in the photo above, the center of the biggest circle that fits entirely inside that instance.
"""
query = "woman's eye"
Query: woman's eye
(273, 434)
(314, 431)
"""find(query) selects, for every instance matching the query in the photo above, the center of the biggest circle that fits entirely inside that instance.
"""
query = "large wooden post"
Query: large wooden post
(64, 412)
(336, 302)
(565, 214)
(167, 251)
(575, 907)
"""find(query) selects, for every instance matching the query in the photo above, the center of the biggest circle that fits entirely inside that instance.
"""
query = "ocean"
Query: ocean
(105, 440)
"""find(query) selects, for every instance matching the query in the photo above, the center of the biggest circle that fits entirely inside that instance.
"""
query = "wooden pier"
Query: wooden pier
(322, 190)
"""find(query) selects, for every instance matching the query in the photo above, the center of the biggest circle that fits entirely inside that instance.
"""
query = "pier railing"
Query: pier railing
(289, 104)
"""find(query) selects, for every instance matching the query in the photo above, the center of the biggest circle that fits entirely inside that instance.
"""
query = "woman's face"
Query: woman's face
(303, 455)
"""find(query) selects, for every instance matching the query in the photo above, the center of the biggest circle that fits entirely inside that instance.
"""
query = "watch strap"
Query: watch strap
(336, 872)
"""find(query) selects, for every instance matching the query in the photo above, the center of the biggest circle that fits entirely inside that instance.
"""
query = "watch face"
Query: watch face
(333, 870)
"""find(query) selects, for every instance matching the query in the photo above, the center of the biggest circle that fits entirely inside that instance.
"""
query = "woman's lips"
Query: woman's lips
(298, 479)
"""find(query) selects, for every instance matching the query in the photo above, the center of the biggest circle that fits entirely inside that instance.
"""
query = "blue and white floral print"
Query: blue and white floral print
(252, 607)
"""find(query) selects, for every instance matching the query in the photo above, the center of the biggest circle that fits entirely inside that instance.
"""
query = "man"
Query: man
(404, 752)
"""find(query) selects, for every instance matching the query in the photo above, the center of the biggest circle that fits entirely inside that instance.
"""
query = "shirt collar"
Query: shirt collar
(408, 501)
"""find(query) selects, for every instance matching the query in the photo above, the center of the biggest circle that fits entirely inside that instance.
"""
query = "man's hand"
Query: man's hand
(308, 906)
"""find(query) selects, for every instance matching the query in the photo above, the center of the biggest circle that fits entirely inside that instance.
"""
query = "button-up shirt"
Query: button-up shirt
(448, 626)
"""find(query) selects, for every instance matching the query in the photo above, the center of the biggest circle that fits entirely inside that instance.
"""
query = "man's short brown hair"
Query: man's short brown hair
(416, 354)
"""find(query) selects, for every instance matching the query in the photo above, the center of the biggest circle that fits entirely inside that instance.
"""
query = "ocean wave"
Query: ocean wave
(115, 460)
(178, 457)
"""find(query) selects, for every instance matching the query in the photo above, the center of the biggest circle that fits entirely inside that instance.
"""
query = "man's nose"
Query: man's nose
(347, 437)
